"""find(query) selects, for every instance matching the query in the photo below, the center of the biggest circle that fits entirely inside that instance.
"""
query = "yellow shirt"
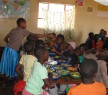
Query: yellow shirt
(88, 89)
(27, 61)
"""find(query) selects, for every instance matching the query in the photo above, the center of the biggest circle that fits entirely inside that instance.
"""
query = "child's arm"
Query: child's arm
(40, 35)
(48, 82)
(54, 50)
(18, 70)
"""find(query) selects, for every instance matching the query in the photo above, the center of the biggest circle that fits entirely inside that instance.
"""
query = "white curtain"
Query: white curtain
(60, 22)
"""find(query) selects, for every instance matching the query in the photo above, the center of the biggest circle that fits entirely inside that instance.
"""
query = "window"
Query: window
(51, 7)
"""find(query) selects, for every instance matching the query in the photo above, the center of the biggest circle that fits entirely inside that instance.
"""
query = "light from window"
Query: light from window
(42, 6)
(56, 7)
(53, 8)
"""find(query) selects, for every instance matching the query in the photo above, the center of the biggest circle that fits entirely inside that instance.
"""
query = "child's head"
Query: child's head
(41, 53)
(63, 46)
(91, 35)
(39, 43)
(103, 55)
(83, 48)
(99, 45)
(102, 32)
(88, 69)
(71, 46)
(103, 38)
(31, 39)
(29, 47)
(21, 23)
(105, 33)
(96, 37)
(53, 38)
(59, 39)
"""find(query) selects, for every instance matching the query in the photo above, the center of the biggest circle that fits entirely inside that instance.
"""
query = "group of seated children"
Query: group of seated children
(92, 40)
(93, 67)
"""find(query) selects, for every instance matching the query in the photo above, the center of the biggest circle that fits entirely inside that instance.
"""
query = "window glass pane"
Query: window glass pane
(68, 7)
(40, 23)
(42, 6)
(56, 7)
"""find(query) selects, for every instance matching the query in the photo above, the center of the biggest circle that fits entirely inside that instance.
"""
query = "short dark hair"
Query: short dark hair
(60, 36)
(91, 34)
(39, 51)
(101, 30)
(96, 35)
(103, 38)
(54, 34)
(28, 47)
(83, 47)
(88, 68)
(39, 43)
(19, 20)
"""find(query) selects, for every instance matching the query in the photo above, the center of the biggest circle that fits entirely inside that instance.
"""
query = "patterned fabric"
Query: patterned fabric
(9, 62)
(60, 22)
(16, 37)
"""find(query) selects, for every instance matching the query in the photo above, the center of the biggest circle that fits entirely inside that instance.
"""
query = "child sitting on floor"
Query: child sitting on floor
(39, 75)
(88, 69)
(27, 62)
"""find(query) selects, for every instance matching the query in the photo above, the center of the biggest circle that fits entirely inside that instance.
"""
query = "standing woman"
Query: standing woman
(14, 39)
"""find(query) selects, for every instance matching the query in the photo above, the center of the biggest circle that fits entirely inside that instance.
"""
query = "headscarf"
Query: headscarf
(73, 44)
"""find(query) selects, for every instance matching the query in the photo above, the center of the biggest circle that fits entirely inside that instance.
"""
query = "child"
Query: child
(27, 62)
(53, 39)
(96, 38)
(10, 58)
(89, 41)
(63, 47)
(99, 45)
(72, 58)
(106, 43)
(101, 33)
(39, 43)
(82, 49)
(59, 39)
(70, 53)
(102, 75)
(39, 74)
(88, 69)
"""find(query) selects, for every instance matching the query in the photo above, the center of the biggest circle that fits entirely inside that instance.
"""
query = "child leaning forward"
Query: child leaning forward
(39, 75)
